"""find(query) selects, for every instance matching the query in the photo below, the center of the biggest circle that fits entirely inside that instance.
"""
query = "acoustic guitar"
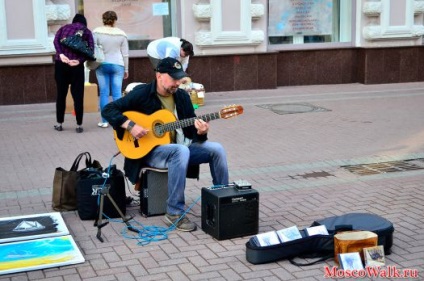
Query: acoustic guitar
(159, 125)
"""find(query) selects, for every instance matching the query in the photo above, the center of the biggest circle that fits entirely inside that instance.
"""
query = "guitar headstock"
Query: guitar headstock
(231, 111)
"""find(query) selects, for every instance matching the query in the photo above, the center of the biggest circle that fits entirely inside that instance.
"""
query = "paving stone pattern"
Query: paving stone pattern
(296, 162)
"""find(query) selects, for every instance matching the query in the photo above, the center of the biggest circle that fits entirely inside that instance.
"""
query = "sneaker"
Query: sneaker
(79, 129)
(58, 127)
(183, 224)
(103, 124)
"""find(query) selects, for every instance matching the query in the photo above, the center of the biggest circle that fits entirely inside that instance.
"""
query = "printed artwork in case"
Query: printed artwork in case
(268, 238)
(374, 256)
(289, 234)
(351, 261)
(316, 230)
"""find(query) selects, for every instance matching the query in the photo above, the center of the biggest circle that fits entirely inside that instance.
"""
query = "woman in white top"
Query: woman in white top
(173, 47)
(114, 68)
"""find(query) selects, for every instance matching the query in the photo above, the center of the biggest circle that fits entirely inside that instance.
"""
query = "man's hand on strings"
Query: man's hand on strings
(201, 126)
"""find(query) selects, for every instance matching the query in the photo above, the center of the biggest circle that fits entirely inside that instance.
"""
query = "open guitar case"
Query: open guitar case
(321, 246)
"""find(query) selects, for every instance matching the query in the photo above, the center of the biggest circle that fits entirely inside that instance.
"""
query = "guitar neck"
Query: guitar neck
(172, 126)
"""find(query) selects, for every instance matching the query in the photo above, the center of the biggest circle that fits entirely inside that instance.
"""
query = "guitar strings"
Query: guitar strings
(189, 121)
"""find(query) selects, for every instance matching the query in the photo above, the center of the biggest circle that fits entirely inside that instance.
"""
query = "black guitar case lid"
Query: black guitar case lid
(322, 245)
(361, 221)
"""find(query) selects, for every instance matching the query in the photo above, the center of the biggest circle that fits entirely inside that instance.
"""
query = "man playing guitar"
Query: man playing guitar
(188, 147)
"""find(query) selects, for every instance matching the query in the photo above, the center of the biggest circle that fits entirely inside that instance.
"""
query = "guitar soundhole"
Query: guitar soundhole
(158, 129)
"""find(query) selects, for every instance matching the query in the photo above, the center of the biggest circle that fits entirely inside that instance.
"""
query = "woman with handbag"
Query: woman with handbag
(69, 69)
(114, 68)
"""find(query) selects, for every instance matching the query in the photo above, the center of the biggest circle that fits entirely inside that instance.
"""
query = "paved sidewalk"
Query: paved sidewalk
(296, 162)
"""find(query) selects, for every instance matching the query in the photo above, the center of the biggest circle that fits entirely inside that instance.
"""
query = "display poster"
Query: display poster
(160, 9)
(300, 17)
(135, 17)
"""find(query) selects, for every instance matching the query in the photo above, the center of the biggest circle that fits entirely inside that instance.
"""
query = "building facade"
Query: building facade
(238, 44)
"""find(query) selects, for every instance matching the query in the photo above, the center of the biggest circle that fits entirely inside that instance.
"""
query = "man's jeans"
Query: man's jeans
(176, 158)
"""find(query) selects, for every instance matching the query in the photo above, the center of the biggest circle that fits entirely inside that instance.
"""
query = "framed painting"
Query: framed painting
(39, 254)
(28, 227)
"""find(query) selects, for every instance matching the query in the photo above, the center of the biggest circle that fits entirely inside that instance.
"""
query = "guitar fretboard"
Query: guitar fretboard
(172, 126)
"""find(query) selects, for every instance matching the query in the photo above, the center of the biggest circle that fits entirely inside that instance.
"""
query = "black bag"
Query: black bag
(64, 183)
(321, 246)
(89, 189)
(78, 44)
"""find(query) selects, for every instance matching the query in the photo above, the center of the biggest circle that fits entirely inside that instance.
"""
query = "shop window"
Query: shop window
(309, 21)
(142, 20)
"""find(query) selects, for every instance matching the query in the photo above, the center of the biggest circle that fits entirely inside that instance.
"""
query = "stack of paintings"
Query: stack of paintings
(35, 242)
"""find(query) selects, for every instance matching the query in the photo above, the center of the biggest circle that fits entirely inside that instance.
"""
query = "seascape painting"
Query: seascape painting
(38, 254)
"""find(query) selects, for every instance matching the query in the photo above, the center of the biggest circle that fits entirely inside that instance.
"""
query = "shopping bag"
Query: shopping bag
(100, 57)
(64, 183)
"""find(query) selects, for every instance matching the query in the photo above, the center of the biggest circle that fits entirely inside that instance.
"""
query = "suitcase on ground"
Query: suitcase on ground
(322, 245)
(153, 191)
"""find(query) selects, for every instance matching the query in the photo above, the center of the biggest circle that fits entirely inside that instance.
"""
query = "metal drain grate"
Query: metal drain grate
(386, 167)
(291, 108)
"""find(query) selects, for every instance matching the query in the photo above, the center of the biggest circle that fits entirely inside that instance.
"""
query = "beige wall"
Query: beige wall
(230, 55)
(389, 23)
(18, 14)
(219, 27)
(61, 17)
(216, 27)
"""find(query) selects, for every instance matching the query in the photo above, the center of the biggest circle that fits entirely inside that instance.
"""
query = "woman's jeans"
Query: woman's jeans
(176, 158)
(110, 77)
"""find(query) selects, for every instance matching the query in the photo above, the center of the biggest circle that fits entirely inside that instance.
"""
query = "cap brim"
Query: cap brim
(178, 75)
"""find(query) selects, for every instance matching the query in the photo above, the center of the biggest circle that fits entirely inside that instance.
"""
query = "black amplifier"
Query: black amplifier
(153, 191)
(228, 212)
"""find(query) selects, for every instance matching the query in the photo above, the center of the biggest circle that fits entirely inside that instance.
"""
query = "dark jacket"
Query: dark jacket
(143, 99)
(68, 30)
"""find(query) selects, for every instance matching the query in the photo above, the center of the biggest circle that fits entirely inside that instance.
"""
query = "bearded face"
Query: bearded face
(166, 84)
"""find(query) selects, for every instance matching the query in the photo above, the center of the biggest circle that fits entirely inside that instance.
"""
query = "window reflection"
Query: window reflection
(308, 21)
(142, 20)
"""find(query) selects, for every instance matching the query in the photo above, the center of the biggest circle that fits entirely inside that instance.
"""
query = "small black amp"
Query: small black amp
(153, 191)
(229, 212)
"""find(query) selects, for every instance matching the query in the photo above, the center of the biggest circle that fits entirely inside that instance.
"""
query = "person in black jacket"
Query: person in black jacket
(189, 146)
(69, 71)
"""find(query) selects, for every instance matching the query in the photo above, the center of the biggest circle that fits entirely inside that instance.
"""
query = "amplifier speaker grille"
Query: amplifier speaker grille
(153, 191)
